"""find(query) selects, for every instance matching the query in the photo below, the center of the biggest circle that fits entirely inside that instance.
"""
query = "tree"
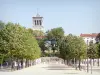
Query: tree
(36, 33)
(41, 43)
(18, 43)
(55, 34)
(92, 51)
(2, 24)
(98, 50)
(73, 47)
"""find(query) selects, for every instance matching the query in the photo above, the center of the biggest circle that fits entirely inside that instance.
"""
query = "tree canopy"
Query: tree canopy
(72, 47)
(92, 51)
(18, 42)
(55, 33)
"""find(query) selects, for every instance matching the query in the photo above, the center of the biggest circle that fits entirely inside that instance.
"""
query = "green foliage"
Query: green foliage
(2, 25)
(55, 33)
(18, 42)
(98, 49)
(72, 47)
(41, 43)
(92, 51)
(36, 33)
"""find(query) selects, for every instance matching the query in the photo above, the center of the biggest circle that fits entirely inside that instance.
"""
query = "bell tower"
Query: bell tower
(37, 22)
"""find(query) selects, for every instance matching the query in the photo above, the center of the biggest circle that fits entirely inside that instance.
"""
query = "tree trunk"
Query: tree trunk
(17, 64)
(2, 61)
(93, 61)
(26, 63)
(79, 64)
(91, 65)
(21, 63)
(12, 64)
(64, 61)
(75, 63)
(98, 61)
(67, 61)
(87, 65)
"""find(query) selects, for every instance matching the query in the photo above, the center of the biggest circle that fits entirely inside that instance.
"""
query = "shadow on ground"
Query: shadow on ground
(58, 67)
(71, 73)
(5, 69)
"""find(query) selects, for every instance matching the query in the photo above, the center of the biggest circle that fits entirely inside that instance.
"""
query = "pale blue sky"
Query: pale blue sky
(75, 16)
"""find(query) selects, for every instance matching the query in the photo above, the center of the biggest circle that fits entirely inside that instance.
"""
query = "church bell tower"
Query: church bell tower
(37, 22)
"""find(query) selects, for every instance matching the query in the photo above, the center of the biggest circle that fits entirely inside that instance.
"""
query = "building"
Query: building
(37, 23)
(90, 37)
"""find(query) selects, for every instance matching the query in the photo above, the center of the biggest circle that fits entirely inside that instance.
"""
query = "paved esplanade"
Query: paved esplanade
(48, 69)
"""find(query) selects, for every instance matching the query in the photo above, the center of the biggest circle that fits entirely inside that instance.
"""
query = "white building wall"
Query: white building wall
(89, 39)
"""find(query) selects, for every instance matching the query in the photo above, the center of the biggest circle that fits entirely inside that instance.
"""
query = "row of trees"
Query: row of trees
(73, 47)
(68, 47)
(17, 43)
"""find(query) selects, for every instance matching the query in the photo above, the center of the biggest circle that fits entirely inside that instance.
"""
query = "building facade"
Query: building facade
(38, 23)
(90, 38)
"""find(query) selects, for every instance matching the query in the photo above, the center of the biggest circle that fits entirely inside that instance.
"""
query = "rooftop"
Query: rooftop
(89, 35)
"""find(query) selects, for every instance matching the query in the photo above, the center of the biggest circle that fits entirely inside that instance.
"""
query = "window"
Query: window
(40, 22)
(35, 22)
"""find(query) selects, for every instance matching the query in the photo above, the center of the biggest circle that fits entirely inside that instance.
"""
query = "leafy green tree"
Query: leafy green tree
(36, 33)
(98, 50)
(73, 47)
(41, 43)
(18, 43)
(92, 51)
(55, 34)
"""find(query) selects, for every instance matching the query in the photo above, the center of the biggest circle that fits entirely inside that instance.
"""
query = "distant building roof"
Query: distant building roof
(89, 35)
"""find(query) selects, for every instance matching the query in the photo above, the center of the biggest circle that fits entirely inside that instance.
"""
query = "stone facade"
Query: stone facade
(37, 23)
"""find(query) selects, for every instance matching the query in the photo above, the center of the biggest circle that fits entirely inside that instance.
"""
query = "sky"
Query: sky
(74, 16)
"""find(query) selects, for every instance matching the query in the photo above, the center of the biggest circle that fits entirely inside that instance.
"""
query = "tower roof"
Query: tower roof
(37, 15)
(89, 35)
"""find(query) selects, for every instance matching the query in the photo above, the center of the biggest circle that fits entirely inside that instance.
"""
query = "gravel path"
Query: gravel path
(48, 69)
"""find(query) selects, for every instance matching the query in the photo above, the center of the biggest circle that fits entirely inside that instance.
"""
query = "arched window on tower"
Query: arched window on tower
(40, 22)
(35, 22)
